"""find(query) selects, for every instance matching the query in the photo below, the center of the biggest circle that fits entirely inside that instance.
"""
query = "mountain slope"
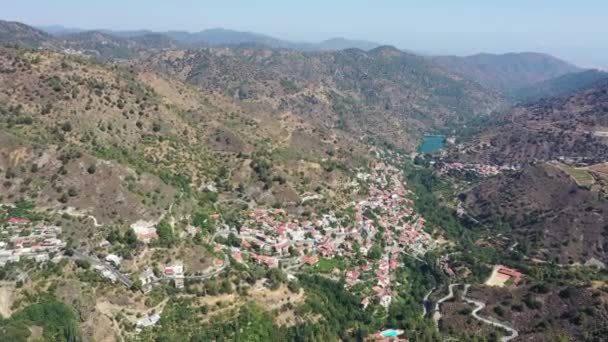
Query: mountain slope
(508, 72)
(66, 113)
(572, 126)
(220, 36)
(100, 44)
(21, 34)
(225, 37)
(551, 216)
(559, 86)
(383, 94)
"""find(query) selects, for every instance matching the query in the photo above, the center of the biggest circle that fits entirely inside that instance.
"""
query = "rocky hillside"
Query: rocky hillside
(572, 127)
(384, 94)
(20, 34)
(67, 121)
(507, 72)
(551, 217)
(100, 44)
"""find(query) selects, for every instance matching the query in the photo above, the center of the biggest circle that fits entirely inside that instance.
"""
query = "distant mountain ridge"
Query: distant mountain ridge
(515, 76)
(508, 72)
(221, 36)
(559, 86)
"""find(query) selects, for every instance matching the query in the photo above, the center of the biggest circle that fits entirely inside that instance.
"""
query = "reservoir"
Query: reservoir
(431, 143)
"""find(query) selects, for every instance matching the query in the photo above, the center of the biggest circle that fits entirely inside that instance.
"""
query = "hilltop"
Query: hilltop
(18, 33)
(230, 185)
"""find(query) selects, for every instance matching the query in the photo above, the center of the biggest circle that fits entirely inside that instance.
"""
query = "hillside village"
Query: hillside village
(374, 232)
(19, 238)
(368, 236)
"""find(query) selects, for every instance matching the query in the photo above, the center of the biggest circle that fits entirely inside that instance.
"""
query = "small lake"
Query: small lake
(431, 143)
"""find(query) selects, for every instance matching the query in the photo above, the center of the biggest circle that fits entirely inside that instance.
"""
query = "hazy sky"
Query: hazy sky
(576, 30)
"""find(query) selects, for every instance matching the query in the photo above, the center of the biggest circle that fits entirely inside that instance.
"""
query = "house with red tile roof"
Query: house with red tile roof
(15, 221)
(310, 259)
(352, 278)
(516, 275)
(270, 262)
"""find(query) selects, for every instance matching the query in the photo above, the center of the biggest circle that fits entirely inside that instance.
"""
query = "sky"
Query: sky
(576, 31)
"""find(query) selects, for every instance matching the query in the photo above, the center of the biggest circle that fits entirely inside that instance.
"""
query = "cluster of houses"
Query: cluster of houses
(20, 238)
(271, 238)
(387, 214)
(480, 170)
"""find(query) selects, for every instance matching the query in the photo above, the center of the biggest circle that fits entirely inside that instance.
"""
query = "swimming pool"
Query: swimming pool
(390, 333)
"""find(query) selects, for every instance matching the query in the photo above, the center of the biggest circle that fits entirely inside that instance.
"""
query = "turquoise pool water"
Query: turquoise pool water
(390, 333)
(431, 143)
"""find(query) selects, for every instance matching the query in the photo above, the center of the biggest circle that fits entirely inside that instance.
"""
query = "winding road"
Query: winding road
(475, 313)
(201, 276)
(437, 313)
(479, 306)
(425, 302)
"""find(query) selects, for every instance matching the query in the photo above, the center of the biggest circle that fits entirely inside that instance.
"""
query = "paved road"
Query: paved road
(479, 306)
(202, 276)
(219, 232)
(437, 313)
(425, 302)
(95, 261)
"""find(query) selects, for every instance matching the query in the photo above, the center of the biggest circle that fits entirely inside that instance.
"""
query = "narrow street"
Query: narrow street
(95, 261)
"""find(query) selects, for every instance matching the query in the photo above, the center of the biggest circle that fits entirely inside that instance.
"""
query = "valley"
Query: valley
(225, 185)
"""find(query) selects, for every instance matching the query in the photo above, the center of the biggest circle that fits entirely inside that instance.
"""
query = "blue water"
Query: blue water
(431, 143)
(390, 333)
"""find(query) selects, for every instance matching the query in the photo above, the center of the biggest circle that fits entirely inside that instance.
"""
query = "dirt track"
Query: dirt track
(6, 300)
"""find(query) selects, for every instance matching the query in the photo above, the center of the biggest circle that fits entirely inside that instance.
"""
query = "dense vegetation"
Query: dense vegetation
(57, 320)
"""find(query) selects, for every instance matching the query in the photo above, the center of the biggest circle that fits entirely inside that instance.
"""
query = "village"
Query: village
(20, 239)
(368, 237)
(363, 243)
(382, 227)
(479, 170)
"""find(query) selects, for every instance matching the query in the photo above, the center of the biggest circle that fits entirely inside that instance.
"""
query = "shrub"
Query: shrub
(63, 198)
(499, 311)
(84, 264)
(66, 127)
